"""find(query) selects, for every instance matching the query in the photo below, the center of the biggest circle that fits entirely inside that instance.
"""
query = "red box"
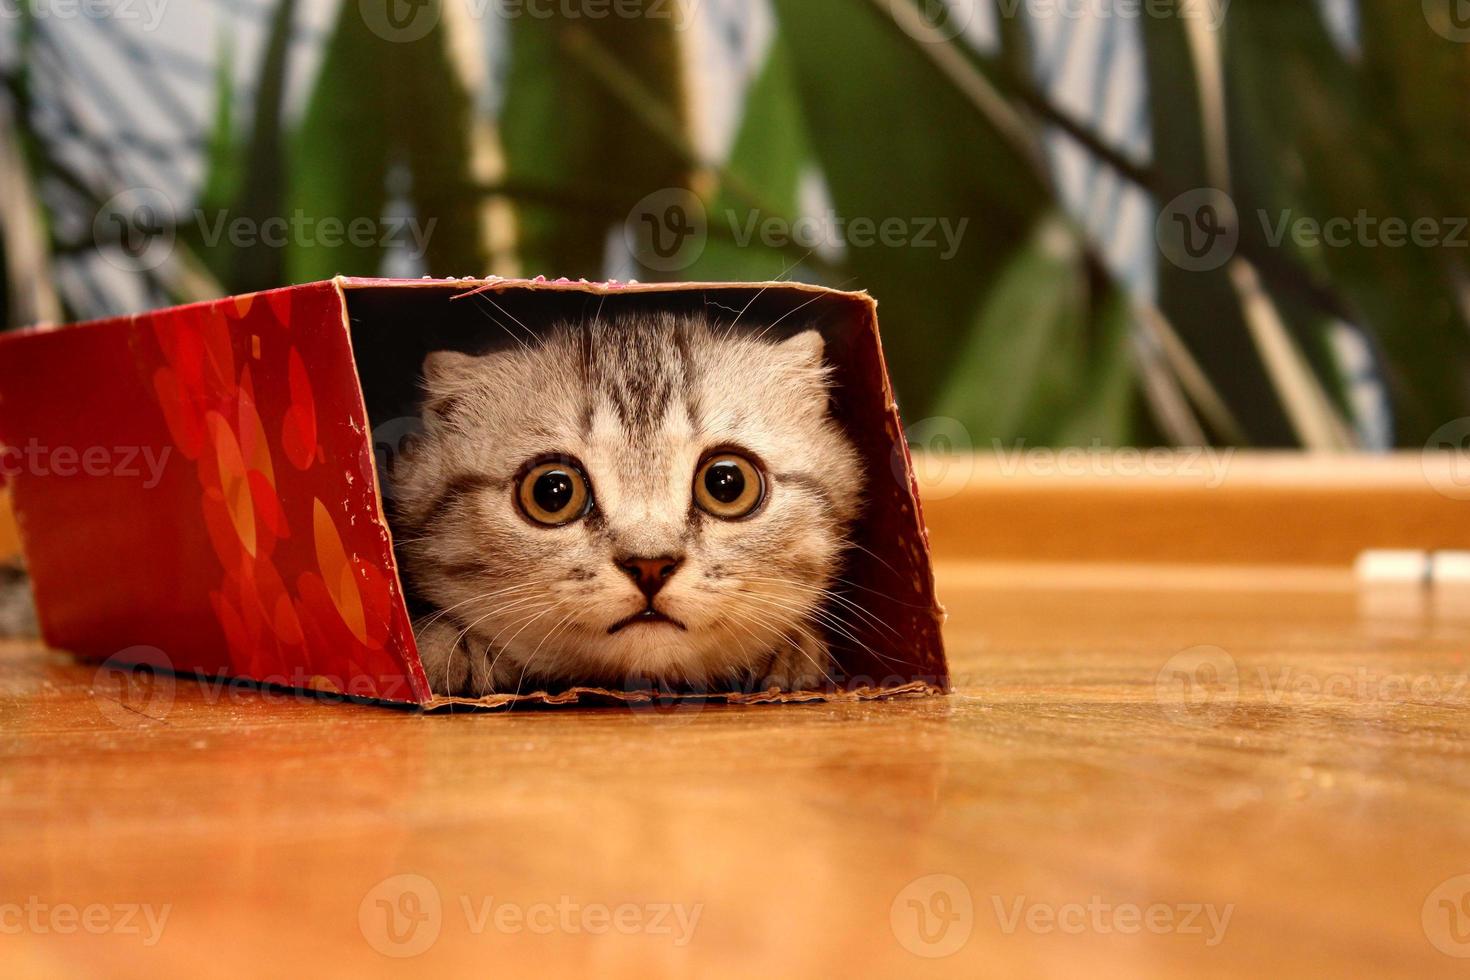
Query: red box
(197, 489)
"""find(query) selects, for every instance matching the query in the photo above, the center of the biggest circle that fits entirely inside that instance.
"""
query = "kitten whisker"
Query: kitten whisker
(831, 595)
(549, 634)
(430, 620)
(531, 333)
(497, 611)
(802, 631)
(872, 554)
(824, 617)
(550, 607)
(878, 592)
(766, 332)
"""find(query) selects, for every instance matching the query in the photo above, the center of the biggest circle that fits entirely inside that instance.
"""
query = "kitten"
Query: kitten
(640, 499)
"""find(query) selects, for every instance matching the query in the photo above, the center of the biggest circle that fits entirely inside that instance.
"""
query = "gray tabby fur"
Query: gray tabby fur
(639, 400)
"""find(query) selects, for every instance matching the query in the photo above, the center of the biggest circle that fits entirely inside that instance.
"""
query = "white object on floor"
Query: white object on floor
(1393, 566)
(1450, 567)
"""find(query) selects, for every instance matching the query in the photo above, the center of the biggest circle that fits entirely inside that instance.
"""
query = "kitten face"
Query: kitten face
(635, 497)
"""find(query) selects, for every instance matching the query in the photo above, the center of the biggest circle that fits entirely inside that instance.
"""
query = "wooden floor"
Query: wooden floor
(1141, 772)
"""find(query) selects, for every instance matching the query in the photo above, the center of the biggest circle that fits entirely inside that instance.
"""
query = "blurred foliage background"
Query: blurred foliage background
(1085, 221)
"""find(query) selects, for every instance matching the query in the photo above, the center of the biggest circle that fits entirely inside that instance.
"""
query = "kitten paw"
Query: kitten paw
(802, 666)
(457, 667)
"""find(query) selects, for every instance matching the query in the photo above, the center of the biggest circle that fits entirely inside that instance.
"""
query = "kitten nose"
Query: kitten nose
(650, 574)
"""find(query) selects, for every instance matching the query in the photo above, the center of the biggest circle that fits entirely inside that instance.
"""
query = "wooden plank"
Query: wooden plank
(1290, 811)
(1244, 508)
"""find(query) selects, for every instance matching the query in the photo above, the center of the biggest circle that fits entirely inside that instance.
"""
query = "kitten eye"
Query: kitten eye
(728, 485)
(554, 493)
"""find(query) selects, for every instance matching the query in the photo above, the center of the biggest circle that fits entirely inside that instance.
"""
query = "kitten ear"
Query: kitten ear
(445, 370)
(448, 376)
(805, 349)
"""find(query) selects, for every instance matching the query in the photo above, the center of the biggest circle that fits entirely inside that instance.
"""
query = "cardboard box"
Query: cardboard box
(196, 488)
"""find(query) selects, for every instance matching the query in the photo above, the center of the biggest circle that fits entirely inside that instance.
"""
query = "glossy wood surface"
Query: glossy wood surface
(1127, 751)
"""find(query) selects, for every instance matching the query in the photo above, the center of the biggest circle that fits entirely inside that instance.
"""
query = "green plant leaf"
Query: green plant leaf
(1202, 306)
(1338, 149)
(1048, 358)
(899, 141)
(771, 154)
(594, 119)
(262, 184)
(380, 105)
